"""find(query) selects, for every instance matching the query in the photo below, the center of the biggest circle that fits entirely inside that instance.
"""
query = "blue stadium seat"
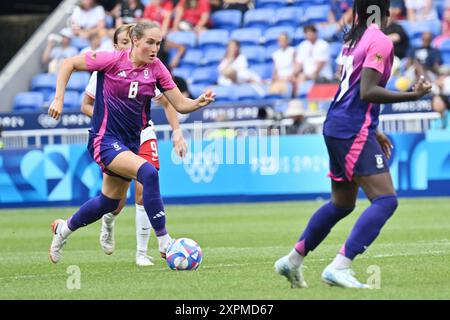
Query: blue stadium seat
(79, 43)
(316, 14)
(213, 56)
(264, 70)
(197, 89)
(270, 50)
(247, 36)
(183, 72)
(71, 100)
(78, 81)
(254, 54)
(445, 57)
(247, 92)
(191, 58)
(259, 18)
(271, 35)
(271, 4)
(186, 38)
(205, 75)
(327, 32)
(44, 83)
(223, 93)
(28, 101)
(445, 46)
(288, 16)
(304, 88)
(335, 48)
(304, 3)
(299, 35)
(227, 19)
(213, 39)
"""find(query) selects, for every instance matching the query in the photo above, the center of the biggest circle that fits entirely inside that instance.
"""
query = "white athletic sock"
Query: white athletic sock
(163, 242)
(143, 229)
(295, 258)
(109, 217)
(341, 262)
(64, 230)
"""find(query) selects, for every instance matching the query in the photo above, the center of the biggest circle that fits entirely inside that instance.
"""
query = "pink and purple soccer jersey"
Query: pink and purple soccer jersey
(351, 123)
(122, 102)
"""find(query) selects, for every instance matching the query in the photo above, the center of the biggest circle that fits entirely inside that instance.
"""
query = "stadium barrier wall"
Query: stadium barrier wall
(289, 168)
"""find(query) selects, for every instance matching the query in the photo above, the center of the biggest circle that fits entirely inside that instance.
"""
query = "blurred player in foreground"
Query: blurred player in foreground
(358, 152)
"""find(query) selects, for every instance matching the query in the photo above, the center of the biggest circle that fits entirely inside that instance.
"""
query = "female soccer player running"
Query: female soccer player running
(358, 152)
(125, 85)
(148, 150)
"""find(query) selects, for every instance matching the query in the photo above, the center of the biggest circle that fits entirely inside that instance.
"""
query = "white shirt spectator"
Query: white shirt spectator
(87, 19)
(284, 62)
(63, 53)
(418, 7)
(309, 55)
(240, 65)
(106, 45)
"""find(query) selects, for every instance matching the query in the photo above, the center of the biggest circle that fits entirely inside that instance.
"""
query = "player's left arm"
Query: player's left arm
(177, 135)
(87, 106)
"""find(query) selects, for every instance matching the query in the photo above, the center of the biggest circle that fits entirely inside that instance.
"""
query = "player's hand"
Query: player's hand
(206, 98)
(55, 109)
(422, 87)
(179, 144)
(385, 144)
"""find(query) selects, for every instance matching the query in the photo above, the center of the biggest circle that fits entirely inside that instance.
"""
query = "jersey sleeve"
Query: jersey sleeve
(102, 60)
(164, 79)
(378, 54)
(91, 88)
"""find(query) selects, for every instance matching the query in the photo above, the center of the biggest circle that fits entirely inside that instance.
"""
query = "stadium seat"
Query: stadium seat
(264, 70)
(299, 35)
(327, 32)
(271, 4)
(247, 36)
(304, 88)
(304, 3)
(205, 75)
(197, 89)
(316, 14)
(28, 101)
(71, 99)
(270, 50)
(259, 18)
(183, 72)
(192, 58)
(446, 57)
(223, 93)
(288, 16)
(247, 92)
(254, 54)
(213, 56)
(213, 39)
(227, 19)
(78, 81)
(79, 43)
(271, 35)
(445, 46)
(335, 49)
(186, 38)
(44, 83)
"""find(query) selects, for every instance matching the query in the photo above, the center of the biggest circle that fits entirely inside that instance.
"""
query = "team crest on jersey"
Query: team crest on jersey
(378, 57)
(146, 74)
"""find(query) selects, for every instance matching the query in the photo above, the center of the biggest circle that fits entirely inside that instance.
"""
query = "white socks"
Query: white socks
(109, 217)
(64, 230)
(341, 262)
(143, 229)
(163, 242)
(295, 258)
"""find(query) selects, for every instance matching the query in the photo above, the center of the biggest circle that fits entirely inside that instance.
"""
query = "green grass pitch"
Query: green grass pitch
(240, 244)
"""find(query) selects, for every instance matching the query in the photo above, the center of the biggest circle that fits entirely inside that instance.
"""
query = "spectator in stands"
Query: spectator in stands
(96, 44)
(58, 48)
(87, 18)
(397, 34)
(297, 113)
(2, 145)
(216, 5)
(283, 66)
(420, 10)
(441, 100)
(398, 9)
(131, 11)
(313, 58)
(233, 69)
(161, 12)
(241, 5)
(192, 15)
(341, 12)
(425, 60)
(445, 35)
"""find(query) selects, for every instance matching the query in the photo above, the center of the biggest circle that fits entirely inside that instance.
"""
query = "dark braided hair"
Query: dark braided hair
(361, 15)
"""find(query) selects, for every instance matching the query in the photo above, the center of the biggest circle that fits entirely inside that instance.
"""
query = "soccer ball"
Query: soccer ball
(184, 254)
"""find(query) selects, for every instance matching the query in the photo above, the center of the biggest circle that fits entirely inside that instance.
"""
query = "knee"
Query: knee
(120, 207)
(147, 173)
(108, 204)
(389, 202)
